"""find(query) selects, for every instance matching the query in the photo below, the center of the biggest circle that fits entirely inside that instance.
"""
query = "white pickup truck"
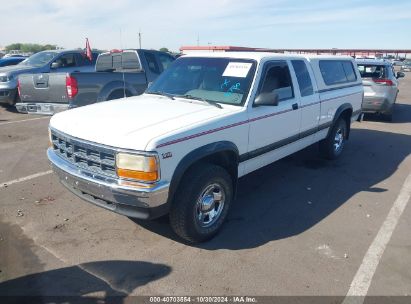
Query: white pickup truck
(209, 119)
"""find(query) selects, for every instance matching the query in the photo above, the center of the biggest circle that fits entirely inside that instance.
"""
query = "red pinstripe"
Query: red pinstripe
(172, 142)
(168, 143)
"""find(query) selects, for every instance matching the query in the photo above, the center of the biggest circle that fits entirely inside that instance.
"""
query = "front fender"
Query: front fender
(197, 155)
(341, 109)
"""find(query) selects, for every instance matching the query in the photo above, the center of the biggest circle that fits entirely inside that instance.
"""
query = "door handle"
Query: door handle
(295, 106)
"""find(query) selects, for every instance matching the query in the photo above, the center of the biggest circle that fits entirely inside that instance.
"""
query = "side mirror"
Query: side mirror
(400, 74)
(55, 65)
(266, 99)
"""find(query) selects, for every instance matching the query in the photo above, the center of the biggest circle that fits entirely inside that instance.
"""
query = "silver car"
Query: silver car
(380, 86)
(406, 66)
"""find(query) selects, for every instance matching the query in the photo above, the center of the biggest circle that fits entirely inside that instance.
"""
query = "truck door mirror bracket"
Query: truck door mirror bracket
(266, 99)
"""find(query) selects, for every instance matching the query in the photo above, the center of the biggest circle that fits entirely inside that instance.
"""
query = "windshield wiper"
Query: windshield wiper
(213, 103)
(162, 94)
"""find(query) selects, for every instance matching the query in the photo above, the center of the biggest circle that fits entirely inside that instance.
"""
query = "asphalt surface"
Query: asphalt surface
(300, 226)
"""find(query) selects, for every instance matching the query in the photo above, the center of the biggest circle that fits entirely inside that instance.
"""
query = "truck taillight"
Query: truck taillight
(386, 82)
(71, 86)
(18, 87)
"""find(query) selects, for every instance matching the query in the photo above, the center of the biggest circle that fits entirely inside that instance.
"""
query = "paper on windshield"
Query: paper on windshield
(237, 69)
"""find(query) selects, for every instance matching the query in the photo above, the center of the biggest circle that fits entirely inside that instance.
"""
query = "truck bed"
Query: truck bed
(47, 93)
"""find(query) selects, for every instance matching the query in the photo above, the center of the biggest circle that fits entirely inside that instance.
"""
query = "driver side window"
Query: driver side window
(277, 79)
(66, 61)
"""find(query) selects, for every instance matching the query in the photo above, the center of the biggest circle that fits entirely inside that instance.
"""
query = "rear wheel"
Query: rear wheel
(118, 94)
(15, 100)
(201, 203)
(332, 146)
(387, 117)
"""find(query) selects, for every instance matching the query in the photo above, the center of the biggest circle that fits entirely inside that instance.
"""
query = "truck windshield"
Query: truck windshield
(222, 80)
(39, 59)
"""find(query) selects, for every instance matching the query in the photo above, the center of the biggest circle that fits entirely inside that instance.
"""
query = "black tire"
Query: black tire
(185, 210)
(328, 146)
(387, 117)
(118, 94)
(15, 100)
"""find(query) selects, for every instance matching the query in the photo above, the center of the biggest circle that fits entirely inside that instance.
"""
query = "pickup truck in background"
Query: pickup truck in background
(118, 74)
(206, 121)
(52, 61)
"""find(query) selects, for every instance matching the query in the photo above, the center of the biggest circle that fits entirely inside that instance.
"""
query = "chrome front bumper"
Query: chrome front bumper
(126, 198)
(41, 108)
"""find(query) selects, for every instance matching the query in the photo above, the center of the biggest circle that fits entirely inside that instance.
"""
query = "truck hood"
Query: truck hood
(17, 69)
(133, 122)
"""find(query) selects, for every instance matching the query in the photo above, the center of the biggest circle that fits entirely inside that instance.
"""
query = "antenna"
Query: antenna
(121, 39)
(139, 38)
(122, 70)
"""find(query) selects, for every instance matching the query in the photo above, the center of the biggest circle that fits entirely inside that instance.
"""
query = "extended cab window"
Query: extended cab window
(277, 79)
(152, 63)
(80, 59)
(337, 71)
(84, 61)
(223, 80)
(165, 60)
(303, 77)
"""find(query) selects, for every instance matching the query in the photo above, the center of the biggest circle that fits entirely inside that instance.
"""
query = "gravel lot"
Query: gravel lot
(301, 226)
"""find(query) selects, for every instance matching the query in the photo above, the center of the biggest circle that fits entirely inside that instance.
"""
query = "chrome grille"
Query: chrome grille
(84, 155)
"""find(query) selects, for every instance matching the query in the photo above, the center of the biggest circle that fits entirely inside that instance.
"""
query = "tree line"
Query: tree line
(30, 47)
(35, 48)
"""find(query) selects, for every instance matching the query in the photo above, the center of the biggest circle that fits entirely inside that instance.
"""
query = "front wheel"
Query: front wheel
(15, 100)
(201, 203)
(332, 146)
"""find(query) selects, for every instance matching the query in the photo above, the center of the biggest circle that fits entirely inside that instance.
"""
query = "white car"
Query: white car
(406, 66)
(206, 121)
(397, 62)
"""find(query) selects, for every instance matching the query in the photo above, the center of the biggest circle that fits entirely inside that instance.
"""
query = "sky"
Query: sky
(173, 23)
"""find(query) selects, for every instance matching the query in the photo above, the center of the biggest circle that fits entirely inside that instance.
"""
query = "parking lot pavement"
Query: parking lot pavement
(9, 115)
(22, 147)
(301, 226)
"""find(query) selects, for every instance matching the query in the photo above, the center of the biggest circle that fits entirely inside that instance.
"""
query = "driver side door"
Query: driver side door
(272, 128)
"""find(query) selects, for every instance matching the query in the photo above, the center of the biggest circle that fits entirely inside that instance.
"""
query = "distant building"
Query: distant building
(372, 53)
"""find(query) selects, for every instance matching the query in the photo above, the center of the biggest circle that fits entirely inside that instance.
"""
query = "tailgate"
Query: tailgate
(371, 88)
(47, 88)
(368, 85)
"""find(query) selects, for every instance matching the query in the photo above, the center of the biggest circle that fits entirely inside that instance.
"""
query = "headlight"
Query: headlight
(138, 167)
(5, 78)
